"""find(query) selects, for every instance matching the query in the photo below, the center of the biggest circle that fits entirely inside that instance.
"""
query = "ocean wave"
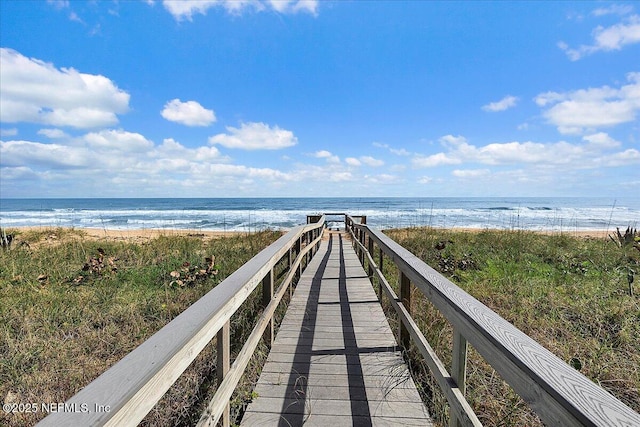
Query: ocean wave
(258, 214)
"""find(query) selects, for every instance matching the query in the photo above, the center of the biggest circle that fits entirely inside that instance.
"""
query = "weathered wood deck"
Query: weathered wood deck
(335, 360)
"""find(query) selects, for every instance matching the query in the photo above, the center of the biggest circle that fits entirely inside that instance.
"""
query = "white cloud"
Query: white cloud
(185, 9)
(53, 133)
(20, 173)
(366, 160)
(324, 154)
(250, 173)
(294, 6)
(371, 161)
(399, 151)
(594, 152)
(189, 113)
(623, 158)
(327, 173)
(54, 156)
(601, 140)
(118, 141)
(523, 152)
(35, 91)
(456, 144)
(439, 159)
(504, 104)
(9, 132)
(75, 18)
(581, 110)
(109, 162)
(619, 35)
(470, 173)
(255, 136)
(452, 141)
(109, 151)
(115, 161)
(396, 151)
(340, 176)
(615, 9)
(173, 149)
(383, 178)
(607, 39)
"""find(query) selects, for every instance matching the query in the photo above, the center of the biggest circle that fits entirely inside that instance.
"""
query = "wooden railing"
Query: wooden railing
(560, 395)
(125, 393)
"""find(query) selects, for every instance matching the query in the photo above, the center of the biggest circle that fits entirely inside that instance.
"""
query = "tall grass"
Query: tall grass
(62, 325)
(568, 293)
(59, 332)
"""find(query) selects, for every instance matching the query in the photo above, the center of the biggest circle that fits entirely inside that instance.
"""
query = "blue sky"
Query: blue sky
(313, 98)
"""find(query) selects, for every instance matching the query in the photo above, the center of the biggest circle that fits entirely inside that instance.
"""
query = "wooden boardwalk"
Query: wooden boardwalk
(335, 361)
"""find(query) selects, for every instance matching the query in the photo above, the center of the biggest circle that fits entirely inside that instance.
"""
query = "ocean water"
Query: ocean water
(253, 214)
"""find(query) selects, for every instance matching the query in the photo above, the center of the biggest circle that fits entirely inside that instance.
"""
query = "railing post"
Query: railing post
(267, 296)
(298, 249)
(405, 299)
(312, 237)
(306, 256)
(458, 368)
(289, 268)
(223, 352)
(370, 249)
(380, 267)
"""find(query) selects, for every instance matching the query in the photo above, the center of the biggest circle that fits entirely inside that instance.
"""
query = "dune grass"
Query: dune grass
(571, 294)
(72, 307)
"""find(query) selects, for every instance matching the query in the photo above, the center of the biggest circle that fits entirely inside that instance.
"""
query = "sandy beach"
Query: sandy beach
(143, 235)
(133, 235)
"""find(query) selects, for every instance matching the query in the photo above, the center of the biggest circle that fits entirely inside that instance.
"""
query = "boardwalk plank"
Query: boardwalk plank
(365, 407)
(383, 382)
(388, 357)
(394, 394)
(335, 360)
(262, 419)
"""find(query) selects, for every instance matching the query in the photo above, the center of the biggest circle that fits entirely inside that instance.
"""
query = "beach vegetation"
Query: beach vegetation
(630, 239)
(564, 291)
(72, 306)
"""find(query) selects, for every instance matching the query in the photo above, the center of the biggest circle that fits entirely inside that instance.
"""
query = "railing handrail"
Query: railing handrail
(127, 391)
(559, 394)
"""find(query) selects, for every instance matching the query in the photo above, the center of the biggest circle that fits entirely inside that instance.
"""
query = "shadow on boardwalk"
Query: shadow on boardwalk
(335, 360)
